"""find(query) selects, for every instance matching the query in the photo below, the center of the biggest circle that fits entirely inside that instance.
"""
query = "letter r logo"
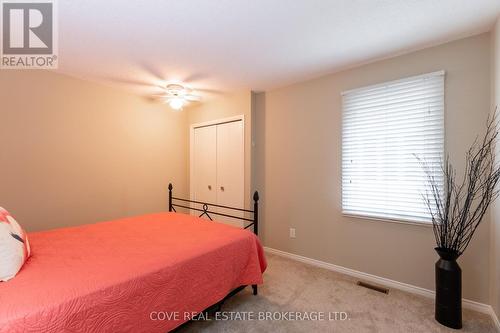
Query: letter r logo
(27, 28)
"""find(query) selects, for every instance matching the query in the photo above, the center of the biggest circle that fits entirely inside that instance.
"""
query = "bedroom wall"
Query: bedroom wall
(495, 221)
(223, 106)
(298, 159)
(75, 152)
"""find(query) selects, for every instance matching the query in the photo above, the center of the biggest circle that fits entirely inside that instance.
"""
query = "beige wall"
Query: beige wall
(495, 221)
(298, 152)
(225, 106)
(75, 152)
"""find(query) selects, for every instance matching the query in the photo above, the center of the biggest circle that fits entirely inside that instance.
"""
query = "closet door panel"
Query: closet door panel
(230, 167)
(205, 164)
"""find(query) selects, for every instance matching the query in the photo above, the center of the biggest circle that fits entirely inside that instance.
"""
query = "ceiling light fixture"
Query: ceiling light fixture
(177, 96)
(176, 103)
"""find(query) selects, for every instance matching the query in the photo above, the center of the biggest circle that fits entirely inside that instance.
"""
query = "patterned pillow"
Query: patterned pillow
(14, 246)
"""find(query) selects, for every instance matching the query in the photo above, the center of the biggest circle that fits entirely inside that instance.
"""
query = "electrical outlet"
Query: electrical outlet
(292, 232)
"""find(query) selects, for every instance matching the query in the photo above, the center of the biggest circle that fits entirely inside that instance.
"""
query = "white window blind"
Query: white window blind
(384, 128)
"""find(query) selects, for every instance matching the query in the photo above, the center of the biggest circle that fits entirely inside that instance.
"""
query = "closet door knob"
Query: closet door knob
(222, 188)
(210, 187)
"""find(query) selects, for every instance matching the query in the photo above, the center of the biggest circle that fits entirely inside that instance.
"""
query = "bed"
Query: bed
(148, 273)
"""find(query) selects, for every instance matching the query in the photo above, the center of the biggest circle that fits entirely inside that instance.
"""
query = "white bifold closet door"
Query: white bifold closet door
(205, 164)
(218, 170)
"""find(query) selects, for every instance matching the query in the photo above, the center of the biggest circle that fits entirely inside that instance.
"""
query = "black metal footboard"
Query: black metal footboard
(205, 211)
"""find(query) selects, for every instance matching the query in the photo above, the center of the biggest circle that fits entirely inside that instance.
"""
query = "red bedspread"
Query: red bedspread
(117, 276)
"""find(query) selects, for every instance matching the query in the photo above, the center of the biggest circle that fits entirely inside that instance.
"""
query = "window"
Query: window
(385, 127)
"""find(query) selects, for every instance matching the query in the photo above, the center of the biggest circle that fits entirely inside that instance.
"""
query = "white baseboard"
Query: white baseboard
(468, 304)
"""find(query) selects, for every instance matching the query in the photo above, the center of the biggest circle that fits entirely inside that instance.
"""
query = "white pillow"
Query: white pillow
(14, 246)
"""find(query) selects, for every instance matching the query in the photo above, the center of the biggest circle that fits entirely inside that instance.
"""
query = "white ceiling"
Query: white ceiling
(226, 45)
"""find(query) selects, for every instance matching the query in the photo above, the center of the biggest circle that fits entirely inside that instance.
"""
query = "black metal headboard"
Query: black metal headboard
(205, 211)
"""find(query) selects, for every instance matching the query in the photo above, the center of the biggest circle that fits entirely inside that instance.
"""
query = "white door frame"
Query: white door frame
(192, 127)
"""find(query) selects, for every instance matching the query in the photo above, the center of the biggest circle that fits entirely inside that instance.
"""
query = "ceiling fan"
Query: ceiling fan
(177, 96)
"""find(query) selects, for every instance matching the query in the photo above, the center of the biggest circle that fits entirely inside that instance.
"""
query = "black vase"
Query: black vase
(448, 289)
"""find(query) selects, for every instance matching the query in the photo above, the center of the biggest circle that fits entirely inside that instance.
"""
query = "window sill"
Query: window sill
(387, 220)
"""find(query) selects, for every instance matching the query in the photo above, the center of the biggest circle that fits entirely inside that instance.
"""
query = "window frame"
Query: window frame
(401, 220)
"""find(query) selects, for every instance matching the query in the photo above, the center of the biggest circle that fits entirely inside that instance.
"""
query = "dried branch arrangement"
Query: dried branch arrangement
(459, 207)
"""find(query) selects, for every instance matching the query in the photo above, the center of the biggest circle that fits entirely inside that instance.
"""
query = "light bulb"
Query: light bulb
(176, 103)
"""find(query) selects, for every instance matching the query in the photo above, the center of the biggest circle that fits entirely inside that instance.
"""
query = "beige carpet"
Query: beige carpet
(297, 287)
